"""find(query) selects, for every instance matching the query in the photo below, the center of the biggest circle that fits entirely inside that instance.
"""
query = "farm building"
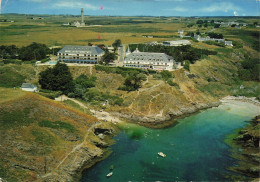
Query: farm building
(149, 60)
(228, 43)
(29, 87)
(177, 43)
(80, 54)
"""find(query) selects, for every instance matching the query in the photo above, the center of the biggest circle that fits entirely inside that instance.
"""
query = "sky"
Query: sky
(134, 7)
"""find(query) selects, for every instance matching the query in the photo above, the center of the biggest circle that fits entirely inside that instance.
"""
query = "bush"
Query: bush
(11, 119)
(187, 65)
(12, 61)
(133, 82)
(250, 71)
(50, 94)
(237, 44)
(166, 75)
(94, 96)
(57, 125)
(221, 44)
(157, 76)
(57, 78)
(45, 60)
(43, 137)
(171, 83)
(120, 70)
(34, 51)
(9, 77)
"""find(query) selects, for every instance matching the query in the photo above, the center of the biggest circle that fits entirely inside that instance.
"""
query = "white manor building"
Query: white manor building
(80, 54)
(149, 60)
(177, 43)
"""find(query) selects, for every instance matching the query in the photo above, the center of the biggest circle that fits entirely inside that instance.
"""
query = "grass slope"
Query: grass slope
(37, 132)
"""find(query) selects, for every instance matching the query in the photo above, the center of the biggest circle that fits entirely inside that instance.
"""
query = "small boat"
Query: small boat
(109, 174)
(161, 154)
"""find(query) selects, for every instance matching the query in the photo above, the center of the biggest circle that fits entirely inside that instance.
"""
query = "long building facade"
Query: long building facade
(80, 54)
(149, 60)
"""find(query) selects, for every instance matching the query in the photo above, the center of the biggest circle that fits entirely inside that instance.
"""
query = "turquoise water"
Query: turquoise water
(194, 147)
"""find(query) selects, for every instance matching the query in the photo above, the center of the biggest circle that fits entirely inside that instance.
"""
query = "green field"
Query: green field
(49, 30)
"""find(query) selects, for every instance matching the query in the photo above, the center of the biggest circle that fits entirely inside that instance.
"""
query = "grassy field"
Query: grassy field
(50, 31)
(34, 127)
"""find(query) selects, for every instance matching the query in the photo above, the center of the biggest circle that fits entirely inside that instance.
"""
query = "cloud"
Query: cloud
(37, 1)
(77, 5)
(220, 7)
(178, 9)
(235, 13)
(72, 5)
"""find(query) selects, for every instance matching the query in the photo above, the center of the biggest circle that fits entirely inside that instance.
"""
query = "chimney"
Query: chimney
(82, 17)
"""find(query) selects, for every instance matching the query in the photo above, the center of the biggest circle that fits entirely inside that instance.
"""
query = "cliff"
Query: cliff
(43, 140)
(245, 147)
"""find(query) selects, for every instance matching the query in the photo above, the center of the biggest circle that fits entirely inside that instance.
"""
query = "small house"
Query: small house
(228, 43)
(29, 87)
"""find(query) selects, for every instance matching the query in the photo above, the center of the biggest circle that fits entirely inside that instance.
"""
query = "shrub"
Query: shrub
(12, 61)
(50, 94)
(166, 75)
(94, 96)
(221, 44)
(11, 119)
(171, 83)
(120, 70)
(133, 82)
(57, 78)
(57, 125)
(187, 65)
(43, 137)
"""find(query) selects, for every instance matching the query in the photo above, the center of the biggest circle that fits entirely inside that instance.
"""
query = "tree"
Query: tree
(166, 75)
(34, 51)
(108, 57)
(133, 82)
(116, 44)
(187, 65)
(58, 78)
(200, 22)
(216, 25)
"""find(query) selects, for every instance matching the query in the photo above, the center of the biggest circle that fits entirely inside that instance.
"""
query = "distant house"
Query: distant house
(29, 87)
(176, 43)
(228, 43)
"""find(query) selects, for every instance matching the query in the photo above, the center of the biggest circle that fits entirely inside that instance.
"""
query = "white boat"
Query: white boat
(109, 174)
(161, 154)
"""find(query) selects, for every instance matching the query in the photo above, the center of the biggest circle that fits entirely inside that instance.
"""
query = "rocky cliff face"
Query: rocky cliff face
(156, 101)
(83, 156)
(42, 140)
(247, 143)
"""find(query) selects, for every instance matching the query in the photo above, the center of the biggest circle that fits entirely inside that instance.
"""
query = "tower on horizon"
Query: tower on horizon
(82, 16)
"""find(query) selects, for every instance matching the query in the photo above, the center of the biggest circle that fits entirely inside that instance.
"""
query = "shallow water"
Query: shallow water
(194, 147)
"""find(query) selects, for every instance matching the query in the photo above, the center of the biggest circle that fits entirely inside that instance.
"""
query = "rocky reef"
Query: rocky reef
(247, 147)
(167, 118)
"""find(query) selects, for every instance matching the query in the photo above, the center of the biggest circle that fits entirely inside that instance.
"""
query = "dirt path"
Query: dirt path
(102, 115)
(72, 151)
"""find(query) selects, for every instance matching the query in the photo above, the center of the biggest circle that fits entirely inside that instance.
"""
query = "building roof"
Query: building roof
(128, 50)
(148, 56)
(178, 42)
(81, 49)
(28, 85)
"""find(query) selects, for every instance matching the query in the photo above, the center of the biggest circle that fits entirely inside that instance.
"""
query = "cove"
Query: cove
(194, 147)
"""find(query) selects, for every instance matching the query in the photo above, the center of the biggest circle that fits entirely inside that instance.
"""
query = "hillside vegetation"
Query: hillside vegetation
(43, 139)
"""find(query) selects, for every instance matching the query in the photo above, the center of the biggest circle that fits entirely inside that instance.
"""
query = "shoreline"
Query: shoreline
(171, 123)
(244, 143)
(116, 118)
(251, 100)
